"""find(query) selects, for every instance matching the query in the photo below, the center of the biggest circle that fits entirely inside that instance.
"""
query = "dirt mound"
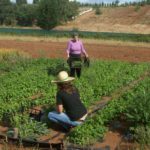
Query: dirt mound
(119, 19)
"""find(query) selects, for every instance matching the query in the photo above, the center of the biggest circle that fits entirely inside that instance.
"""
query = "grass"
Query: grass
(12, 55)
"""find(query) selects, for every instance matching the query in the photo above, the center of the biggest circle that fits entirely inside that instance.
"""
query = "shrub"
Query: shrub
(142, 135)
(98, 11)
(137, 8)
(11, 55)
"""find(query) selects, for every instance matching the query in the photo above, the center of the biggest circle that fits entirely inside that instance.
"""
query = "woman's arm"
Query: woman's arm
(59, 103)
(83, 50)
(68, 49)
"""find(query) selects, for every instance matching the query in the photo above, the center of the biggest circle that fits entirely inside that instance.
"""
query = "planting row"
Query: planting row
(27, 83)
(83, 34)
(133, 105)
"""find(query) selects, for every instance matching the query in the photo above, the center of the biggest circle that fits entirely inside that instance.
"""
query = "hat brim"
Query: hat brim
(69, 79)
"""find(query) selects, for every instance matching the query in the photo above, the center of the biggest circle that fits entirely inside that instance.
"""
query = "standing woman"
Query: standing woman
(74, 51)
(70, 111)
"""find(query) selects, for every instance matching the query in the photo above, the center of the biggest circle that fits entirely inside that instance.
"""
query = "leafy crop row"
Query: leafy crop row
(29, 78)
(20, 83)
(103, 77)
(95, 128)
(84, 34)
(138, 112)
(133, 105)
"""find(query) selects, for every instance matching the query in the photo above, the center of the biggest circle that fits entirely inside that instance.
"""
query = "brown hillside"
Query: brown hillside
(120, 19)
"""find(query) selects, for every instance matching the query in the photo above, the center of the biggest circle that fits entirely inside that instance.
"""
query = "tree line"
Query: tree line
(48, 13)
(43, 13)
(115, 4)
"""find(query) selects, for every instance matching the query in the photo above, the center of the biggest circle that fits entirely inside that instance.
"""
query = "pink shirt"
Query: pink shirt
(75, 47)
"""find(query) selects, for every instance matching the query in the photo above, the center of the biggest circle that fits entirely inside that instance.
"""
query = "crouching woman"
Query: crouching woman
(70, 111)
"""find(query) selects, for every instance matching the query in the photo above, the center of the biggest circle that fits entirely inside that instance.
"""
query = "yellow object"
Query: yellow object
(11, 54)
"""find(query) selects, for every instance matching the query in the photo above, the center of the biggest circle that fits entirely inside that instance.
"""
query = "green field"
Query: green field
(83, 34)
(26, 83)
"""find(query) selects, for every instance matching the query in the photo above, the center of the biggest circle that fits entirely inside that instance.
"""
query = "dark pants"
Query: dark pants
(75, 70)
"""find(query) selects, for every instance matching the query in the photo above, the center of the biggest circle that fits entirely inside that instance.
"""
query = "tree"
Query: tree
(4, 2)
(20, 2)
(98, 11)
(35, 1)
(3, 5)
(148, 2)
(116, 2)
(53, 12)
(7, 12)
(48, 14)
(26, 15)
(71, 10)
(10, 15)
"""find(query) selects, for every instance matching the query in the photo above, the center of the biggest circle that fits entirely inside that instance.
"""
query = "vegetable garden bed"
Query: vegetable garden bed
(26, 78)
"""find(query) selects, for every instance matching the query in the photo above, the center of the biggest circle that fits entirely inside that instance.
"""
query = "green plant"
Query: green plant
(83, 34)
(98, 11)
(142, 135)
(95, 128)
(48, 15)
(28, 128)
(137, 8)
(28, 84)
(138, 111)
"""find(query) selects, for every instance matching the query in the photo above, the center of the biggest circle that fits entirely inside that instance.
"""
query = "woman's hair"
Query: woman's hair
(75, 34)
(67, 87)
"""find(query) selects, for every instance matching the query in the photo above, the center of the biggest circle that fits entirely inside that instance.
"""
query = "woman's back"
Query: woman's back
(72, 104)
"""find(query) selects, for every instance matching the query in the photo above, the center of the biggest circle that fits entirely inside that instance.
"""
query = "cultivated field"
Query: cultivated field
(26, 84)
(133, 52)
(115, 88)
(117, 69)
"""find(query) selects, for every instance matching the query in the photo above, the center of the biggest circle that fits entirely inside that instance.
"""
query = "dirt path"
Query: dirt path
(96, 51)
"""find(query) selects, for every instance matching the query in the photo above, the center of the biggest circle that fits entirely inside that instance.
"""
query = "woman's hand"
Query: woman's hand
(86, 55)
(68, 60)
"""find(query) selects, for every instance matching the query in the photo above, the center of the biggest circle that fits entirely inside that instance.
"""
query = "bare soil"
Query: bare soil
(111, 139)
(53, 49)
(120, 19)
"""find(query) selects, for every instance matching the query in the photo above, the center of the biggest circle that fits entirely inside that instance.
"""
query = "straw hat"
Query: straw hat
(63, 77)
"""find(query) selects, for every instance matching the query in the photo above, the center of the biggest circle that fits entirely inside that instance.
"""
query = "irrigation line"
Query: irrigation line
(29, 143)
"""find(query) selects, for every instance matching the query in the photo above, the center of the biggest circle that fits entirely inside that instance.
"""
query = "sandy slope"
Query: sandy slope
(121, 19)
